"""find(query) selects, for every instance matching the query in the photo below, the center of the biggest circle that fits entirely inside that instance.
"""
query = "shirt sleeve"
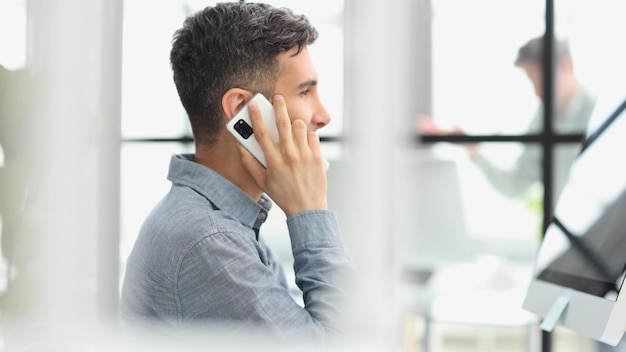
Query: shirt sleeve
(323, 270)
(224, 277)
(516, 180)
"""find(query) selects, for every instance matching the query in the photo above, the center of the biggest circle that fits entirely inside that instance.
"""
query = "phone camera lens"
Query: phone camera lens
(243, 129)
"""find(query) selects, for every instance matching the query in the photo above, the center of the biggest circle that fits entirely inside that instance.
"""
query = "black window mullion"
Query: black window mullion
(189, 139)
(548, 147)
(548, 115)
(541, 138)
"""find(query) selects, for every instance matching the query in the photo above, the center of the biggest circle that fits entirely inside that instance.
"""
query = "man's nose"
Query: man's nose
(320, 117)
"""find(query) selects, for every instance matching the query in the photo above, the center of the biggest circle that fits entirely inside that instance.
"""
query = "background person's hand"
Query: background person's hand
(426, 126)
(295, 178)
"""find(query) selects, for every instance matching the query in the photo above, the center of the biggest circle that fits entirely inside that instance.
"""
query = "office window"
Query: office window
(477, 88)
(150, 110)
(13, 40)
(13, 34)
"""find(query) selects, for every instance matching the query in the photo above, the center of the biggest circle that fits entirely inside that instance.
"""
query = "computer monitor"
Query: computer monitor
(579, 270)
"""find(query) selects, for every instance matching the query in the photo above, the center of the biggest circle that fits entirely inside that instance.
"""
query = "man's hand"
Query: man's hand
(295, 178)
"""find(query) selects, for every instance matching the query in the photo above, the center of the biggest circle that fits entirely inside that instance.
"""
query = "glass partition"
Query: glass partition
(479, 89)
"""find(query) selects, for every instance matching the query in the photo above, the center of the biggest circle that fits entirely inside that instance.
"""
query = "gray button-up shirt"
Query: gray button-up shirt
(199, 258)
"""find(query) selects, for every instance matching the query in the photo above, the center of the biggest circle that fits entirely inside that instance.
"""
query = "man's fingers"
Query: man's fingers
(300, 135)
(258, 128)
(283, 123)
(314, 143)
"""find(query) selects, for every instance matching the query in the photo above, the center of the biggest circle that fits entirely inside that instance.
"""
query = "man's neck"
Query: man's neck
(224, 158)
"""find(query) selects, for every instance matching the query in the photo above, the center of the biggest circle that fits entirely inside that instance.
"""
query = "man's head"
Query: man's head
(232, 45)
(530, 59)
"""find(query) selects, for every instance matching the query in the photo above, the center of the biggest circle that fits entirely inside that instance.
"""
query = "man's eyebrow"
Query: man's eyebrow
(307, 83)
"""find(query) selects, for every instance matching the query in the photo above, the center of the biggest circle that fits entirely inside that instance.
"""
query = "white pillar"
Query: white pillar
(68, 279)
(382, 87)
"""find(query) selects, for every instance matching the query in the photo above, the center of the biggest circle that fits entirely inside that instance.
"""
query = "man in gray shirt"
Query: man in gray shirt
(199, 259)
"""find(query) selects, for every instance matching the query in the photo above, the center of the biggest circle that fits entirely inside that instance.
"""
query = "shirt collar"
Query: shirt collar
(223, 194)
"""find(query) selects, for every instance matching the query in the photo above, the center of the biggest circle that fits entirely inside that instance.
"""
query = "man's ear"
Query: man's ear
(233, 100)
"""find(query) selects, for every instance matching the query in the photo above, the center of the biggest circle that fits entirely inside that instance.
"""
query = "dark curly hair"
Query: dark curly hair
(231, 45)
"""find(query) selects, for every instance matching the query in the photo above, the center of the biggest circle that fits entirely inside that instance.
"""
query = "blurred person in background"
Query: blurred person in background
(573, 104)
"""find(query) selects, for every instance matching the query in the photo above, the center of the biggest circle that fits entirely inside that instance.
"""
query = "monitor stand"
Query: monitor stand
(557, 312)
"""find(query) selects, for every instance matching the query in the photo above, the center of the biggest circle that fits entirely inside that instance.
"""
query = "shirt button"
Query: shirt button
(262, 216)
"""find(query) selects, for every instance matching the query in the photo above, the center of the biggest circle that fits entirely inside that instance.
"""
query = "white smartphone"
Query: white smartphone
(240, 126)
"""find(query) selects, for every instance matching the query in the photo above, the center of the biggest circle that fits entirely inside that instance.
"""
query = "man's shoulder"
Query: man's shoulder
(185, 214)
(172, 232)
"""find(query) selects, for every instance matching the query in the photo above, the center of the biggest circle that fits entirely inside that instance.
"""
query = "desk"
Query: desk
(468, 296)
(486, 309)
